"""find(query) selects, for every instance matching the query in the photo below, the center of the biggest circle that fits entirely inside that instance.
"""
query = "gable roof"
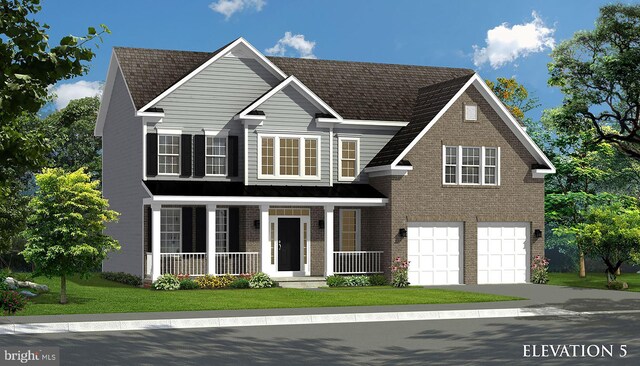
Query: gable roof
(429, 102)
(355, 90)
(301, 88)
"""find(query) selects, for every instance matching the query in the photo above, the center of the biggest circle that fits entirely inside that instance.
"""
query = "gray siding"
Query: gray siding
(211, 98)
(122, 176)
(289, 112)
(371, 141)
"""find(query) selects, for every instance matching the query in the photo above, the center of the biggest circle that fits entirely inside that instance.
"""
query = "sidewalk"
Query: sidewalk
(542, 301)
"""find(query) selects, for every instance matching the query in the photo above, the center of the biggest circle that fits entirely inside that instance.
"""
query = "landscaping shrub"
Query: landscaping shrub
(121, 277)
(12, 301)
(167, 282)
(25, 276)
(540, 270)
(240, 283)
(400, 273)
(356, 281)
(335, 281)
(213, 282)
(3, 276)
(378, 280)
(261, 280)
(188, 284)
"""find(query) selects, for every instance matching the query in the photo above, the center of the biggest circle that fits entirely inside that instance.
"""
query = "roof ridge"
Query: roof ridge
(368, 63)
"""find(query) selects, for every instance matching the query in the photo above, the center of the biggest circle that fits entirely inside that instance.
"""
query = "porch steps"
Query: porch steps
(300, 282)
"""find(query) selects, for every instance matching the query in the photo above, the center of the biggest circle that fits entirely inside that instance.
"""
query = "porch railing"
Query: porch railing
(236, 263)
(357, 262)
(194, 264)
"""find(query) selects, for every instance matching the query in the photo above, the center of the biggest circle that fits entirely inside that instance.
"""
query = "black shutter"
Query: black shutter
(187, 230)
(149, 231)
(198, 156)
(185, 156)
(152, 154)
(234, 229)
(201, 230)
(232, 153)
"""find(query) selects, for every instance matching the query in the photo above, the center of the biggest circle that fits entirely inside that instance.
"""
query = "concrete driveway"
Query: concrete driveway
(569, 298)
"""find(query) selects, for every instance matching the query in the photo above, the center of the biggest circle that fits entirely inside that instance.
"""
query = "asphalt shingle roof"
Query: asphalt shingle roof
(430, 100)
(356, 90)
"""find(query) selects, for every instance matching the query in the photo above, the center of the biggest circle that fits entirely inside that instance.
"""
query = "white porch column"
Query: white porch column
(211, 239)
(265, 252)
(328, 240)
(155, 241)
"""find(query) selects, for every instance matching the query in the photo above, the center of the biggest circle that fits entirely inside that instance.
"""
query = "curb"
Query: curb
(252, 321)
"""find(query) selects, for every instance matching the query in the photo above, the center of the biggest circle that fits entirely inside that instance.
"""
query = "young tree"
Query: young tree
(65, 230)
(73, 143)
(597, 71)
(611, 232)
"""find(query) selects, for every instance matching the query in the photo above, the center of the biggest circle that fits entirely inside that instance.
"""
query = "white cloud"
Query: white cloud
(64, 93)
(230, 7)
(505, 44)
(295, 42)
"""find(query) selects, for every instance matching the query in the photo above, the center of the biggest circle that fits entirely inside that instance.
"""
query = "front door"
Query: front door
(288, 244)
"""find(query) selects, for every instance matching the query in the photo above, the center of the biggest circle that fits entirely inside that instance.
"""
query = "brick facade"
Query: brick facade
(420, 195)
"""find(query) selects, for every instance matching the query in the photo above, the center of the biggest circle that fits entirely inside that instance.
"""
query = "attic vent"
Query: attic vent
(470, 112)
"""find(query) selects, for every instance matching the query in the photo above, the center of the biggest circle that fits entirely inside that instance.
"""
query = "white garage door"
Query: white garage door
(503, 252)
(434, 253)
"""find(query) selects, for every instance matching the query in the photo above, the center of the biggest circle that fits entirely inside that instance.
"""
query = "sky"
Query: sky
(496, 38)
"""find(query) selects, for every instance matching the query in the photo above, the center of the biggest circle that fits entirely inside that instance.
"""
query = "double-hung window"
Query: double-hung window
(216, 155)
(222, 230)
(468, 165)
(284, 157)
(170, 230)
(348, 158)
(169, 154)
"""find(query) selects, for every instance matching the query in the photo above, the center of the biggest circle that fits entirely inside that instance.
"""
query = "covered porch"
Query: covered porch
(281, 236)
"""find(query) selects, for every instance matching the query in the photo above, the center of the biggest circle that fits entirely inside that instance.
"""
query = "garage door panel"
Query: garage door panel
(437, 246)
(503, 252)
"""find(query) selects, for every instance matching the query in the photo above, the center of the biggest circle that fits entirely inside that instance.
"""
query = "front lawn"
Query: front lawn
(97, 295)
(593, 280)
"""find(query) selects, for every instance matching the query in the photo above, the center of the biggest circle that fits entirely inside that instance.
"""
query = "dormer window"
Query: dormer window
(470, 112)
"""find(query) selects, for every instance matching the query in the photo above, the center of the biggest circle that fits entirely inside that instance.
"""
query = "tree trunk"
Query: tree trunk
(63, 289)
(583, 271)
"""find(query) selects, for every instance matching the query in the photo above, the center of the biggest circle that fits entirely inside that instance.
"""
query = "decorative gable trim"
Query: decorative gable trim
(502, 111)
(240, 42)
(300, 87)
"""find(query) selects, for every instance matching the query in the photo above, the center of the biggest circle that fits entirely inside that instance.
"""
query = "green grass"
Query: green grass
(96, 295)
(593, 280)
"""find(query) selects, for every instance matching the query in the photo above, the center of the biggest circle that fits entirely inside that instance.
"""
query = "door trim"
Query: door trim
(305, 269)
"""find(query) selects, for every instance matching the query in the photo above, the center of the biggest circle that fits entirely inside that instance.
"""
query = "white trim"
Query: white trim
(240, 41)
(493, 100)
(358, 227)
(301, 157)
(360, 124)
(167, 131)
(211, 238)
(150, 114)
(165, 154)
(144, 154)
(328, 239)
(384, 170)
(216, 133)
(357, 162)
(300, 87)
(250, 201)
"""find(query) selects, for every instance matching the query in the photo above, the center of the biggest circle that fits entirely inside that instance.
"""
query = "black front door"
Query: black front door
(288, 244)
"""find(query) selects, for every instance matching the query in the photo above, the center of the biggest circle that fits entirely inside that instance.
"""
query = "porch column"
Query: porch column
(211, 239)
(155, 241)
(265, 252)
(328, 240)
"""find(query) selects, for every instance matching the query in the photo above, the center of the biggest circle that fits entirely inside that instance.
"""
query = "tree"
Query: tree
(514, 96)
(29, 67)
(65, 230)
(597, 71)
(73, 144)
(611, 232)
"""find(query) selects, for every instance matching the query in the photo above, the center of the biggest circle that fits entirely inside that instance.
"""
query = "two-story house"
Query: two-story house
(233, 162)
